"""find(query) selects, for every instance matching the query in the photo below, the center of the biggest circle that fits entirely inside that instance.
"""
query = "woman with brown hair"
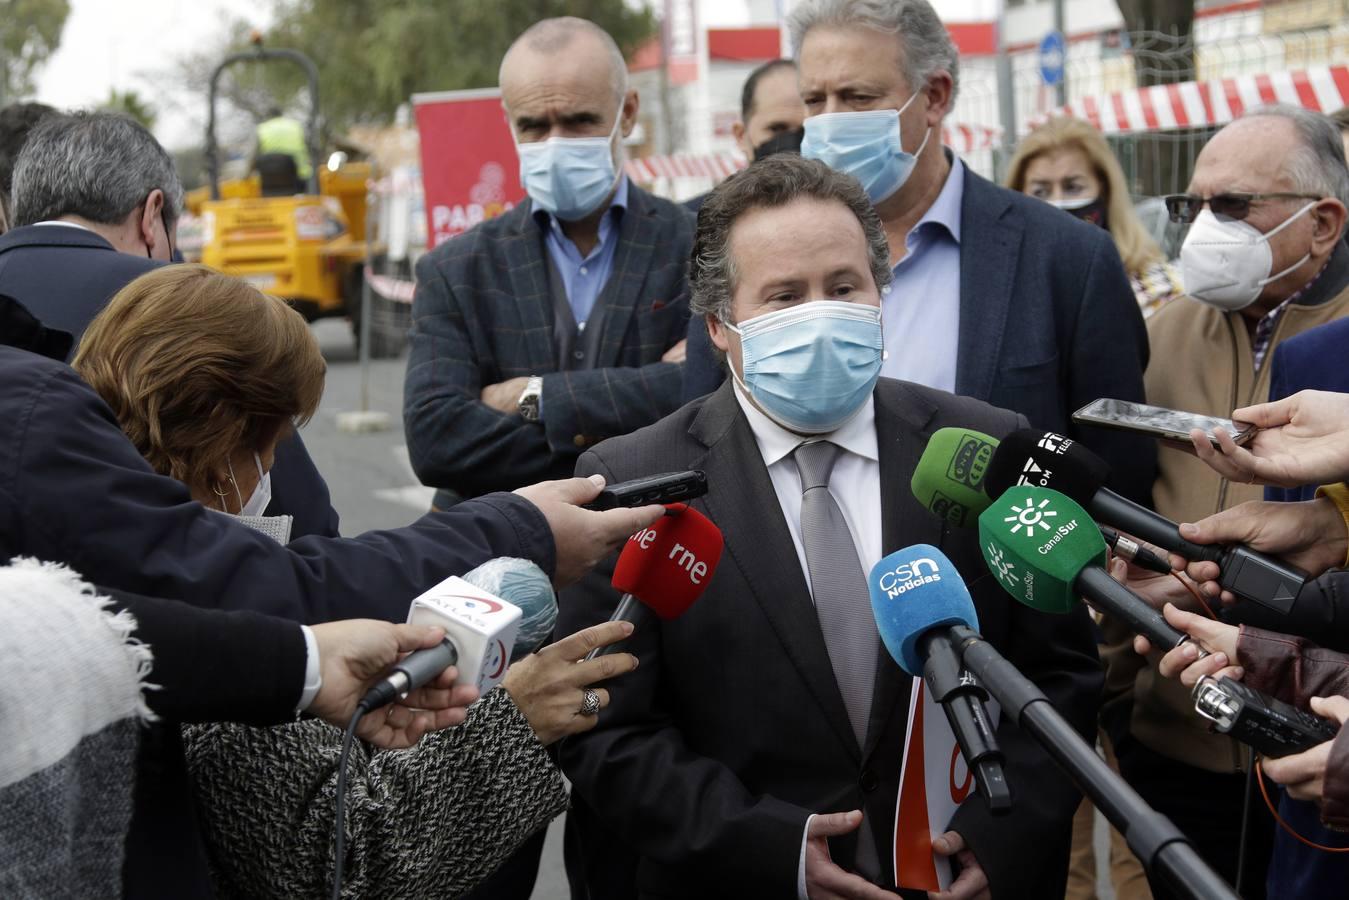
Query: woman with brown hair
(205, 374)
(1067, 163)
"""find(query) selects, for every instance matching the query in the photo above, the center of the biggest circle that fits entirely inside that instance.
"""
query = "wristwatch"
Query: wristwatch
(529, 405)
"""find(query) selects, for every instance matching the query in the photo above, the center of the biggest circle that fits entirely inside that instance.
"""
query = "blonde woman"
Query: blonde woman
(1067, 163)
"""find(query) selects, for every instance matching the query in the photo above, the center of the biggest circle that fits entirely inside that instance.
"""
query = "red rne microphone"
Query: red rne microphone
(664, 568)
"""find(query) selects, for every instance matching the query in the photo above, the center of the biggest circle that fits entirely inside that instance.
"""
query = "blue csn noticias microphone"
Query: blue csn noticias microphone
(917, 596)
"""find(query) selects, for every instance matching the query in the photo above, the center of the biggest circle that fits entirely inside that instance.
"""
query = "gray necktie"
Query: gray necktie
(843, 604)
(842, 600)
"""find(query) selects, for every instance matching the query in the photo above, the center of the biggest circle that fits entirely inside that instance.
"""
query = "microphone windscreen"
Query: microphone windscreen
(913, 591)
(523, 583)
(1045, 459)
(1036, 541)
(949, 478)
(668, 565)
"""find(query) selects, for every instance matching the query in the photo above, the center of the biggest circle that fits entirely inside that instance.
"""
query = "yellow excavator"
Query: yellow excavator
(302, 241)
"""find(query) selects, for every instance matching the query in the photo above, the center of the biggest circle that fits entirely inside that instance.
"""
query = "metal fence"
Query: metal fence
(1159, 160)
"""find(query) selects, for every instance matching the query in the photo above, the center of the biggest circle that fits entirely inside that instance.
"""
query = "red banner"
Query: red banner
(469, 168)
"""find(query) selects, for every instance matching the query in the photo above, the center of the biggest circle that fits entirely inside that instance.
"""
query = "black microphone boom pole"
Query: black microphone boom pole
(1157, 843)
(962, 699)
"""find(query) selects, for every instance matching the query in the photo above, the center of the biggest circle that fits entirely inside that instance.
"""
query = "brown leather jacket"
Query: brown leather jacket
(1295, 670)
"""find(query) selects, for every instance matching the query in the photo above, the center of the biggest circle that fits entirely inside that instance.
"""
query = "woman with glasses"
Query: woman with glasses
(1067, 163)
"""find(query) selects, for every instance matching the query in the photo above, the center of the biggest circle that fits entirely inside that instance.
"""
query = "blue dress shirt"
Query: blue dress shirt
(920, 309)
(584, 278)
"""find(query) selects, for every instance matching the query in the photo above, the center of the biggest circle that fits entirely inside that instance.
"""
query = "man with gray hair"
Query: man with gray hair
(560, 323)
(755, 751)
(88, 181)
(993, 296)
(1264, 260)
(97, 201)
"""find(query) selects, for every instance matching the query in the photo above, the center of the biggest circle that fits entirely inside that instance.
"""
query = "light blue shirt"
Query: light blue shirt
(585, 278)
(921, 307)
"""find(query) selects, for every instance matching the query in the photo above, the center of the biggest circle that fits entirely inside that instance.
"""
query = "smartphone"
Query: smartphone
(672, 487)
(1170, 426)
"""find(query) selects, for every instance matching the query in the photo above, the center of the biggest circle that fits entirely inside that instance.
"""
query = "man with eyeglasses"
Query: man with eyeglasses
(1264, 260)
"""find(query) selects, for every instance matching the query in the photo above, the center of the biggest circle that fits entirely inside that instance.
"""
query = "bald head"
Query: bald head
(566, 39)
(1293, 158)
(566, 78)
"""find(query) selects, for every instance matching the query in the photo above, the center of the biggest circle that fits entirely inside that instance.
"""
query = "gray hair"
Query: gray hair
(1318, 167)
(771, 182)
(550, 36)
(926, 45)
(97, 165)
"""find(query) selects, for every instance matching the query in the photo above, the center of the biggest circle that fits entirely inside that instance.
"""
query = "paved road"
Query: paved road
(373, 486)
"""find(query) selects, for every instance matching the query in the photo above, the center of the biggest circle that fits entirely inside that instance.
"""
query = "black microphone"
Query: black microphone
(1164, 851)
(1132, 551)
(1046, 459)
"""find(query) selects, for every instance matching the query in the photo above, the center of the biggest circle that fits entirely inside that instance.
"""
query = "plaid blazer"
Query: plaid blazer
(483, 314)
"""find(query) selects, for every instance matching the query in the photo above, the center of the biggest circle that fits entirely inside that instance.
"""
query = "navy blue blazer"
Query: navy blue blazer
(483, 314)
(1048, 323)
(74, 490)
(1311, 361)
(65, 275)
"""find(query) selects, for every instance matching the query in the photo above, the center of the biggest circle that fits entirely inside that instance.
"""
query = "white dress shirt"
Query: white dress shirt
(855, 484)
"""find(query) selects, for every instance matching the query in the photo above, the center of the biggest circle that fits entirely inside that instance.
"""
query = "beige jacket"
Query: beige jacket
(1202, 362)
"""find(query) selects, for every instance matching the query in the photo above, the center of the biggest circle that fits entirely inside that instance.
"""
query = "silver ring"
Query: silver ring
(590, 702)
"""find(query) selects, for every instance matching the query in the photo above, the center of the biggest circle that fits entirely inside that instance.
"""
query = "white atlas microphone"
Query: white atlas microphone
(481, 628)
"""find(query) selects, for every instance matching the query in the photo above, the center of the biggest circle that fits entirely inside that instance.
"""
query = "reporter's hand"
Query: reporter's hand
(677, 353)
(1157, 590)
(1303, 774)
(355, 654)
(1304, 439)
(1218, 639)
(824, 879)
(505, 397)
(972, 882)
(549, 686)
(1311, 535)
(583, 537)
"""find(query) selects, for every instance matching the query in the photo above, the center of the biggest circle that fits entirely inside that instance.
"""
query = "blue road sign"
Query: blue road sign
(1053, 51)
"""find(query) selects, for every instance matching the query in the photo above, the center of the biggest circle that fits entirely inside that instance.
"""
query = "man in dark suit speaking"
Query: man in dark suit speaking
(766, 712)
(560, 323)
(995, 296)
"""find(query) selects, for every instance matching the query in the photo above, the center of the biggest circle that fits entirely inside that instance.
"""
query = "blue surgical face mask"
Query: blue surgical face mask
(569, 177)
(866, 145)
(810, 367)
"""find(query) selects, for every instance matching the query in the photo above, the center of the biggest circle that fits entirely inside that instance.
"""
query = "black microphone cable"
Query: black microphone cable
(339, 826)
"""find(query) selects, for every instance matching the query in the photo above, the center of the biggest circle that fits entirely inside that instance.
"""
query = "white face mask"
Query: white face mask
(1226, 262)
(251, 513)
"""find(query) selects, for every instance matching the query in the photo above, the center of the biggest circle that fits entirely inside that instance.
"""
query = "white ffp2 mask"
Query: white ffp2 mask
(1226, 262)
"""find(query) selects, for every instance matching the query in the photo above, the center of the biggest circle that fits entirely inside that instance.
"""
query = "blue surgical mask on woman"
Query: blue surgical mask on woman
(569, 177)
(810, 367)
(867, 145)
